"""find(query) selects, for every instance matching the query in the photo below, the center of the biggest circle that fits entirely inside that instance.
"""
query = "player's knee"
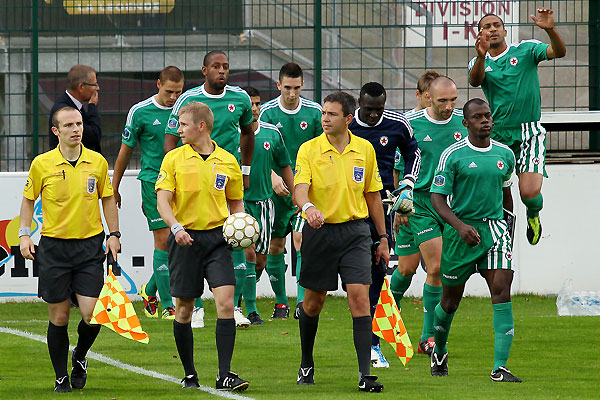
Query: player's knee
(312, 308)
(449, 305)
(60, 319)
(529, 192)
(276, 247)
(406, 269)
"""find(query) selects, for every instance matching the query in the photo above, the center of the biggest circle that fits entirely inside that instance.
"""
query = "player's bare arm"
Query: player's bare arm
(375, 207)
(545, 20)
(26, 216)
(482, 45)
(507, 200)
(247, 147)
(111, 216)
(288, 176)
(235, 206)
(467, 232)
(170, 142)
(120, 166)
(278, 185)
(163, 204)
(314, 216)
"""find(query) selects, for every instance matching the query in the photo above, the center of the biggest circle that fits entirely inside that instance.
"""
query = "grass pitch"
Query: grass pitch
(557, 357)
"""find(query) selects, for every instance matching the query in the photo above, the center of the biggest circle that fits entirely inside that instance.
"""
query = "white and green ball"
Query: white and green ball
(241, 230)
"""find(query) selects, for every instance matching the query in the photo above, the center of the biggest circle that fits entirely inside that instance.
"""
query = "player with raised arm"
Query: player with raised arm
(476, 172)
(298, 120)
(509, 78)
(70, 179)
(435, 128)
(200, 176)
(146, 122)
(269, 154)
(388, 132)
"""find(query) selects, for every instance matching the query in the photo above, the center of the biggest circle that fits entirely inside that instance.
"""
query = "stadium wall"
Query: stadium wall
(566, 251)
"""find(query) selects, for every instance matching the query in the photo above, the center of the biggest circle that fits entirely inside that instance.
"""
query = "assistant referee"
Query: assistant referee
(337, 186)
(70, 179)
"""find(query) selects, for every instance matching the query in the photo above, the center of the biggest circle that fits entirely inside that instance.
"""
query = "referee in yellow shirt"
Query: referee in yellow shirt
(337, 186)
(196, 185)
(70, 179)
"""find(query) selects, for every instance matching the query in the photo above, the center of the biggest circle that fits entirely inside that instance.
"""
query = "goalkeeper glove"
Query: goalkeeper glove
(401, 199)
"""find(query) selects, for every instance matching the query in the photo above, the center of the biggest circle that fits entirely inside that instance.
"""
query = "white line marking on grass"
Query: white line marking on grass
(128, 367)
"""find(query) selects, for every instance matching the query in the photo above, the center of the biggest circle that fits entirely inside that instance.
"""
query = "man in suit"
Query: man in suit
(82, 87)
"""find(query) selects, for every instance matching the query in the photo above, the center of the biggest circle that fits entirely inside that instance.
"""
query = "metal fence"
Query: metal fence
(341, 44)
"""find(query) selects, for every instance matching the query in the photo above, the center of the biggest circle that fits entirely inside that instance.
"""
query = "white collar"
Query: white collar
(77, 103)
(479, 149)
(158, 105)
(285, 110)
(435, 121)
(213, 96)
(494, 58)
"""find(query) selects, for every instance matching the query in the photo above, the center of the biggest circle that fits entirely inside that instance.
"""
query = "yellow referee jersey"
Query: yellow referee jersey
(200, 187)
(338, 181)
(70, 195)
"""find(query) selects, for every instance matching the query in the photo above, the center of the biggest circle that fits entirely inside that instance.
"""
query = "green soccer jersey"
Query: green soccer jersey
(296, 126)
(511, 83)
(270, 153)
(146, 124)
(474, 177)
(231, 109)
(433, 137)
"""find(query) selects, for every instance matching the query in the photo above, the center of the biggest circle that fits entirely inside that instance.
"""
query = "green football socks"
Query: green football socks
(441, 323)
(239, 267)
(431, 298)
(533, 205)
(399, 284)
(160, 264)
(504, 329)
(249, 290)
(276, 271)
(300, 288)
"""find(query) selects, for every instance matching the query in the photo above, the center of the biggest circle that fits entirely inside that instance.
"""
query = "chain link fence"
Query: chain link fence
(340, 44)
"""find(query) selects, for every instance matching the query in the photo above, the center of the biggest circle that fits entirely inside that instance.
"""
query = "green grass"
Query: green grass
(557, 357)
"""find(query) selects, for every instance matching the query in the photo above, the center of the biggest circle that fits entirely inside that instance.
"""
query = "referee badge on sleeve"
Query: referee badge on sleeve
(162, 175)
(28, 184)
(91, 185)
(439, 180)
(220, 181)
(358, 174)
(172, 123)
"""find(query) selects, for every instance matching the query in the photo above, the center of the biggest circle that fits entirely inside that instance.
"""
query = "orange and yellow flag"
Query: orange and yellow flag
(115, 311)
(388, 325)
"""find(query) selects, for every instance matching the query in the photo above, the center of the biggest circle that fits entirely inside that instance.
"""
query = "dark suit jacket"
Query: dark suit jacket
(92, 132)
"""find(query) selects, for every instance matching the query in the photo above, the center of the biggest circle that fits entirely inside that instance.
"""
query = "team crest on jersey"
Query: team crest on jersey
(231, 107)
(172, 123)
(162, 175)
(439, 180)
(91, 185)
(514, 61)
(457, 135)
(383, 140)
(220, 180)
(397, 156)
(536, 161)
(358, 175)
(126, 134)
(303, 125)
(267, 145)
(508, 255)
(500, 164)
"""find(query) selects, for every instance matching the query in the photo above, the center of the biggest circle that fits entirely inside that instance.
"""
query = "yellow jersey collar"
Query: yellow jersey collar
(83, 157)
(326, 146)
(189, 152)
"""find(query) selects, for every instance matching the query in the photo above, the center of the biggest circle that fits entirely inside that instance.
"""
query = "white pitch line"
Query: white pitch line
(128, 367)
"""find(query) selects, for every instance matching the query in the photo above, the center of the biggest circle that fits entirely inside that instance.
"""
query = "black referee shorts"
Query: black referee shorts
(333, 249)
(209, 257)
(69, 266)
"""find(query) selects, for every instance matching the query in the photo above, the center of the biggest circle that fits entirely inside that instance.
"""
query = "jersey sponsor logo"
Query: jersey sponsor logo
(514, 61)
(220, 180)
(126, 134)
(91, 185)
(172, 123)
(28, 184)
(383, 140)
(457, 135)
(500, 164)
(279, 125)
(231, 107)
(473, 165)
(156, 220)
(397, 156)
(424, 231)
(403, 246)
(162, 175)
(439, 180)
(454, 277)
(303, 125)
(156, 122)
(427, 139)
(358, 175)
(488, 69)
(267, 145)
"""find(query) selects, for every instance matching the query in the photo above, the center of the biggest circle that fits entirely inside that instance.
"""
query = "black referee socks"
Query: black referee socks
(184, 339)
(362, 330)
(87, 336)
(308, 332)
(225, 338)
(58, 347)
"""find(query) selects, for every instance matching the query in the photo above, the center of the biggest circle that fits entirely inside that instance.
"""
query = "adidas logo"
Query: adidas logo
(428, 139)
(240, 266)
(488, 69)
(156, 122)
(439, 328)
(473, 165)
(163, 268)
(511, 332)
(273, 278)
(279, 125)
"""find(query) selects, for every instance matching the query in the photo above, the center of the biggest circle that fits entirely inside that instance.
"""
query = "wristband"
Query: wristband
(408, 183)
(245, 170)
(385, 235)
(25, 231)
(176, 227)
(306, 206)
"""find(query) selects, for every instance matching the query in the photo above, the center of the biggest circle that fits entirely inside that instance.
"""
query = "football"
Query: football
(241, 230)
